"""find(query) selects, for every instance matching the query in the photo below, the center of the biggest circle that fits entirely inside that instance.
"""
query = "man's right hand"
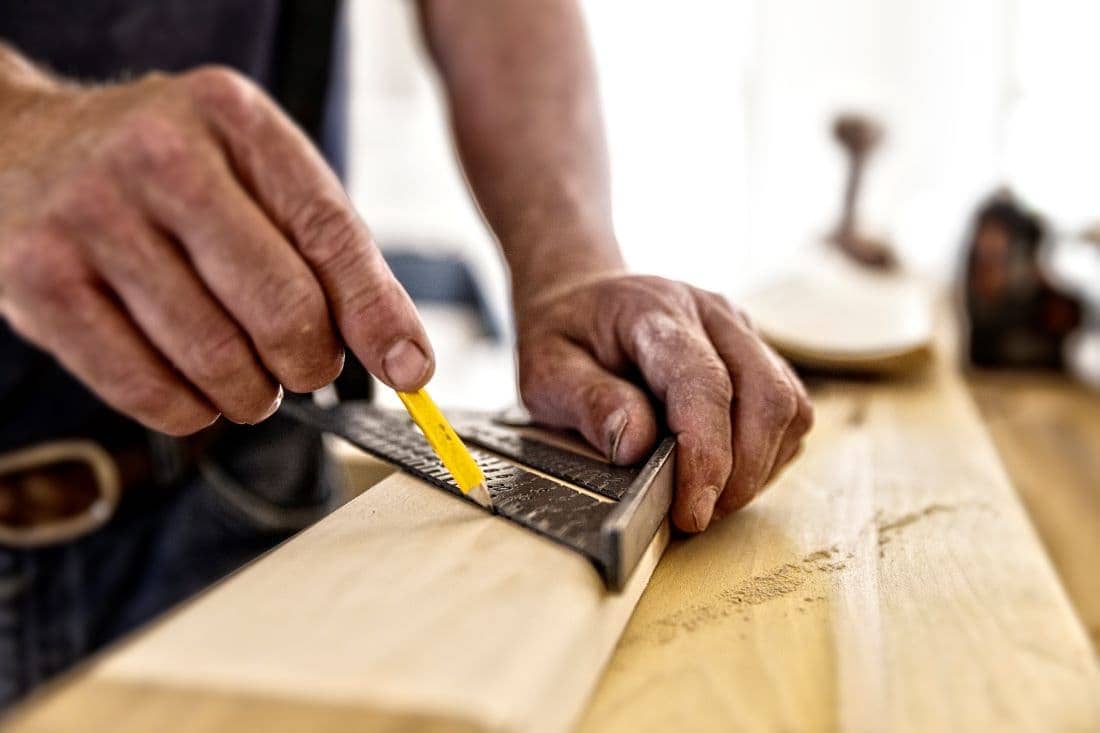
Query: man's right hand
(180, 246)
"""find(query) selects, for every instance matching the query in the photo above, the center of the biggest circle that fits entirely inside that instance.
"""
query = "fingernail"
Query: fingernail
(274, 405)
(703, 509)
(270, 411)
(614, 427)
(405, 364)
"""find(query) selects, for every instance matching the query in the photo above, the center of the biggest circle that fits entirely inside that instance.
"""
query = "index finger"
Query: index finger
(683, 369)
(303, 197)
(769, 412)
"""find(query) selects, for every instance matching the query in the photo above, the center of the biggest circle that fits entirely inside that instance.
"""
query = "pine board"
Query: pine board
(1047, 430)
(891, 582)
(406, 609)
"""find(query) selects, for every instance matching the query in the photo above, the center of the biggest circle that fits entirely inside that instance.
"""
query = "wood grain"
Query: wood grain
(890, 582)
(1047, 430)
(406, 607)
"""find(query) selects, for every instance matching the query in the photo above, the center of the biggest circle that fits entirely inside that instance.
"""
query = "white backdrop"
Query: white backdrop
(718, 116)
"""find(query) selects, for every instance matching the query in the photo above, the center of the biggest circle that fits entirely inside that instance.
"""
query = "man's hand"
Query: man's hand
(522, 89)
(178, 244)
(737, 409)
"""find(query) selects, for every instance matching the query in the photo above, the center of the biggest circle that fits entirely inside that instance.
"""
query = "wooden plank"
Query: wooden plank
(404, 609)
(890, 582)
(1047, 430)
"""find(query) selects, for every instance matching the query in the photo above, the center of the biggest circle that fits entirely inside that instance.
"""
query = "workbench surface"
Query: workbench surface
(891, 581)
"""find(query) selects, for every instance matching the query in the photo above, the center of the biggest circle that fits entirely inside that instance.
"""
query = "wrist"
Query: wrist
(544, 267)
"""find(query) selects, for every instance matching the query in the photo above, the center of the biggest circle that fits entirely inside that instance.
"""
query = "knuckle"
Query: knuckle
(45, 267)
(371, 302)
(160, 404)
(714, 383)
(150, 140)
(219, 353)
(147, 395)
(377, 297)
(705, 380)
(741, 316)
(153, 147)
(329, 234)
(715, 299)
(657, 332)
(296, 311)
(661, 295)
(225, 91)
(779, 404)
(804, 419)
(86, 199)
(592, 397)
(719, 303)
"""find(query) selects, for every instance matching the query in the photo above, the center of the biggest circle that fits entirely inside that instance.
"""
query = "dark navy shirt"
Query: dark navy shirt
(97, 40)
(104, 40)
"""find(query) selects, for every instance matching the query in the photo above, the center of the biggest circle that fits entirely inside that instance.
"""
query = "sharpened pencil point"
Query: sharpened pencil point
(480, 494)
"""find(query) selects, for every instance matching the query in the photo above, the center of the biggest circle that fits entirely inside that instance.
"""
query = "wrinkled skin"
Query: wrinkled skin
(737, 409)
(179, 246)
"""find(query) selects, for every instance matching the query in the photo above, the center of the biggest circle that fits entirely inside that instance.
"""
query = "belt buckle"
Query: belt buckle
(37, 481)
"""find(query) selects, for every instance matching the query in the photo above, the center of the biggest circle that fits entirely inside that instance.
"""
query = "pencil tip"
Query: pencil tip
(480, 494)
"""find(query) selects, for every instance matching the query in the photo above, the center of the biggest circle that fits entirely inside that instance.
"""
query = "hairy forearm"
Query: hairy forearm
(526, 117)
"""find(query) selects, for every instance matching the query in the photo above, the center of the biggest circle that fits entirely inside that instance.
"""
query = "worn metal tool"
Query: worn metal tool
(607, 513)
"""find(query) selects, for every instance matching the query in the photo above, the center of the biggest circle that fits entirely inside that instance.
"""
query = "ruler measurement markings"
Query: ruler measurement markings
(561, 513)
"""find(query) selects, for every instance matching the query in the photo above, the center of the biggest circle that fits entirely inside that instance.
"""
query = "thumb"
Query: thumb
(378, 320)
(563, 386)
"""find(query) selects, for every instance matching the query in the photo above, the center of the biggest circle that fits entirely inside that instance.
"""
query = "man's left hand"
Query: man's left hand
(738, 410)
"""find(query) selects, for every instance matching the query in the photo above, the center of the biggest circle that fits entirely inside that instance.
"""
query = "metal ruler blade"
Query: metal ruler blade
(612, 530)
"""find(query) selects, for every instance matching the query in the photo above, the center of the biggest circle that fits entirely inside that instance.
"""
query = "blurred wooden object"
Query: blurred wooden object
(858, 136)
(829, 314)
(845, 306)
(406, 609)
(891, 581)
(1047, 429)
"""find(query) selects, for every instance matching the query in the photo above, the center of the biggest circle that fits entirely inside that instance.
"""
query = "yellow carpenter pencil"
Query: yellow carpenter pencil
(447, 445)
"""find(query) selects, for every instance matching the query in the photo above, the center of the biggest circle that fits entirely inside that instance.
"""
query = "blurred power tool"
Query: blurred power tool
(1016, 317)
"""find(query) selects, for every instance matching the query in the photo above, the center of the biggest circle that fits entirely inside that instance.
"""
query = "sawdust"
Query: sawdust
(738, 601)
(763, 588)
(887, 529)
(781, 581)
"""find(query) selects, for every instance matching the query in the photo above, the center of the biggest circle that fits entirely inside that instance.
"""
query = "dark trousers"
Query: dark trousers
(59, 604)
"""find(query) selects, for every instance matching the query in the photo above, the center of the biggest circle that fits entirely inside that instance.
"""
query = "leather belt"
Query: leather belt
(58, 491)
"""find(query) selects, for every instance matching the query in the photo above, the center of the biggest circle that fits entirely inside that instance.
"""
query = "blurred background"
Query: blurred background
(728, 173)
(719, 119)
